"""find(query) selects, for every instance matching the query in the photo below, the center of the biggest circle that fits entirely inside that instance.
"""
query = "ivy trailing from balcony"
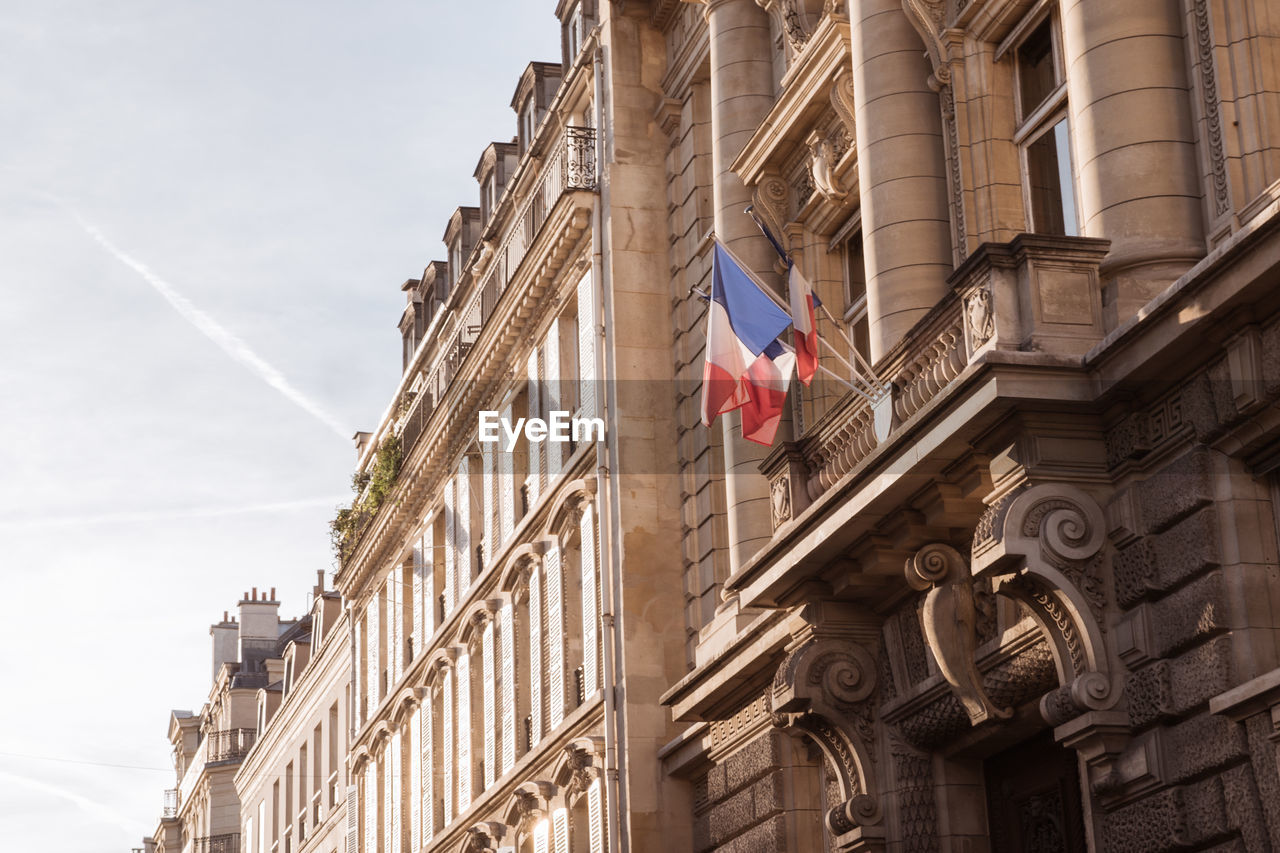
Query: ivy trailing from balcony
(372, 488)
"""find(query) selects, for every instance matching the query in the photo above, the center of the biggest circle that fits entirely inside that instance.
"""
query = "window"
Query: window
(1044, 134)
(855, 295)
(526, 124)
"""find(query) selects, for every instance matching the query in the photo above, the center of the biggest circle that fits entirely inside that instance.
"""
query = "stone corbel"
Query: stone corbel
(581, 764)
(530, 802)
(822, 166)
(822, 690)
(485, 837)
(1031, 543)
(949, 620)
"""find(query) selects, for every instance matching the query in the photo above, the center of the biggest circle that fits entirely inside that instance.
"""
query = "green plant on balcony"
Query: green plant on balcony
(371, 486)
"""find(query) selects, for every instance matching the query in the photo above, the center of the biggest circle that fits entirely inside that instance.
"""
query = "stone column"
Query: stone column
(1134, 144)
(741, 95)
(906, 225)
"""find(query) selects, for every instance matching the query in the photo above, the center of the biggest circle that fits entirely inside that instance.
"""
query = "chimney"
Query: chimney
(225, 649)
(259, 627)
(362, 441)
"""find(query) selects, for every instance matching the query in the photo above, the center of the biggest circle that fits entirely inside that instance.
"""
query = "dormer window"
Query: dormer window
(526, 124)
(455, 262)
(574, 32)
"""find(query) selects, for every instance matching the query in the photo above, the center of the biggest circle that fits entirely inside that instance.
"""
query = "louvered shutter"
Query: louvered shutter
(394, 779)
(466, 548)
(507, 652)
(489, 691)
(551, 382)
(560, 830)
(450, 547)
(489, 504)
(464, 731)
(248, 835)
(446, 747)
(427, 768)
(372, 645)
(353, 829)
(395, 619)
(428, 598)
(534, 483)
(353, 820)
(420, 634)
(555, 635)
(535, 656)
(415, 781)
(540, 837)
(370, 808)
(586, 347)
(506, 488)
(590, 599)
(595, 818)
(359, 685)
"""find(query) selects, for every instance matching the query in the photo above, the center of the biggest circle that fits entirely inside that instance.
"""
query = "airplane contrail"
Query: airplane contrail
(146, 515)
(224, 338)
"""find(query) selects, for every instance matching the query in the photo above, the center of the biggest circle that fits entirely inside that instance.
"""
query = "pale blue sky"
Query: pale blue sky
(271, 171)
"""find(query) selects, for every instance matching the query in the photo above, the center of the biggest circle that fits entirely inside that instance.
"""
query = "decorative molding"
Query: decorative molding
(485, 837)
(1212, 107)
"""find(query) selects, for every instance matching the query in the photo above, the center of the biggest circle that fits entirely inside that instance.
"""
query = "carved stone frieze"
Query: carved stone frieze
(485, 837)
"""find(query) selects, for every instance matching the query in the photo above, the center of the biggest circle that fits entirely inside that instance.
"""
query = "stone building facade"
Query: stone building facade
(292, 785)
(1017, 590)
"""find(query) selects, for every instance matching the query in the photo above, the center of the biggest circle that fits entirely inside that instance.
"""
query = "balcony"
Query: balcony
(230, 744)
(229, 843)
(171, 803)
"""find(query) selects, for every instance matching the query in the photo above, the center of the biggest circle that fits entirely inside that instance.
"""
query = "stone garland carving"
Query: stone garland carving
(793, 24)
(949, 620)
(1212, 106)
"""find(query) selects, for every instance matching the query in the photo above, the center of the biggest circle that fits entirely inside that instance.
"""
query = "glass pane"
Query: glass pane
(1036, 78)
(1053, 209)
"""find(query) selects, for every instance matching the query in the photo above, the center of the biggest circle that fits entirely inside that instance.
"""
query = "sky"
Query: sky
(206, 213)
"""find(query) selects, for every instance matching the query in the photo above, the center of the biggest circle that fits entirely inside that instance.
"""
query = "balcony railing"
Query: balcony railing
(228, 843)
(229, 744)
(170, 803)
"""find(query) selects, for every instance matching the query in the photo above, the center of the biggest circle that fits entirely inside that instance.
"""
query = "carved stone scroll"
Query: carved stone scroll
(949, 620)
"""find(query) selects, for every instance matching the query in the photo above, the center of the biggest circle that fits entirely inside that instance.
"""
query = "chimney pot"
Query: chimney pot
(255, 593)
(273, 593)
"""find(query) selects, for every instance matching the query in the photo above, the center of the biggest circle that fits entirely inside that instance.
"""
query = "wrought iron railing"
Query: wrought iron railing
(228, 744)
(171, 803)
(228, 843)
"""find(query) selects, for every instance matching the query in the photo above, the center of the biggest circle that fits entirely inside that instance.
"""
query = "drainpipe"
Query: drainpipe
(611, 515)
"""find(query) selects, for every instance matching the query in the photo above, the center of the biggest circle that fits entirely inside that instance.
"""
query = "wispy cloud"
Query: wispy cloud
(224, 338)
(100, 811)
(149, 515)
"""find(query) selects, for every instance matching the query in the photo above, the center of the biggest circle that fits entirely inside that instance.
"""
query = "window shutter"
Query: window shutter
(590, 599)
(587, 347)
(370, 808)
(595, 819)
(506, 488)
(555, 635)
(371, 643)
(560, 829)
(395, 619)
(535, 448)
(466, 549)
(489, 508)
(353, 820)
(415, 781)
(420, 634)
(535, 656)
(464, 731)
(427, 601)
(551, 382)
(248, 835)
(446, 729)
(450, 547)
(507, 651)
(489, 690)
(394, 819)
(357, 672)
(540, 837)
(427, 768)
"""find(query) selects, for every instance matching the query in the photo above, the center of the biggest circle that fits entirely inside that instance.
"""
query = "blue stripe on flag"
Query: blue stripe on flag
(755, 318)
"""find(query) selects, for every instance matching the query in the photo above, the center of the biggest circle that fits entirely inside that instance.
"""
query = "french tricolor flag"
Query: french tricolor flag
(804, 303)
(747, 367)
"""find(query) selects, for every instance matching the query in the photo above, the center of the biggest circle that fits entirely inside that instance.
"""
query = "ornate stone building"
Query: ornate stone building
(1017, 590)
